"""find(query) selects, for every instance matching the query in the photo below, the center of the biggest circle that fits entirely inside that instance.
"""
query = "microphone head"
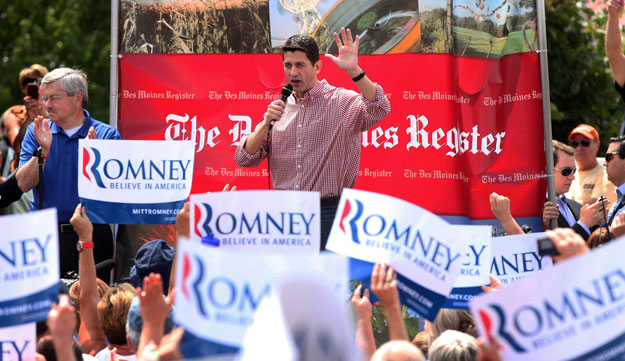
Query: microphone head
(287, 89)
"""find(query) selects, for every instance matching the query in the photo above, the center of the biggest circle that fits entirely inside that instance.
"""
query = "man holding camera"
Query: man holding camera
(569, 213)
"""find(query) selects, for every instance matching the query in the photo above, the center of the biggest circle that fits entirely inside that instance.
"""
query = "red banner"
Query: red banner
(459, 128)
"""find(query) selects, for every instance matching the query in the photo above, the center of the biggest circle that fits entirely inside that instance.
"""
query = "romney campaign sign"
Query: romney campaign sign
(134, 182)
(426, 251)
(573, 311)
(475, 267)
(284, 221)
(18, 342)
(219, 290)
(516, 257)
(29, 266)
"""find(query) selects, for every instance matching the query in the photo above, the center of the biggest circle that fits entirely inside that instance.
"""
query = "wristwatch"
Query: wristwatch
(80, 245)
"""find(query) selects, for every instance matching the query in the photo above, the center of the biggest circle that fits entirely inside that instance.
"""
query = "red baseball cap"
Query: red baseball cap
(586, 130)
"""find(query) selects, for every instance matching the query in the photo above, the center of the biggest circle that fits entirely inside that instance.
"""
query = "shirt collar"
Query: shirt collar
(315, 91)
(620, 191)
(82, 132)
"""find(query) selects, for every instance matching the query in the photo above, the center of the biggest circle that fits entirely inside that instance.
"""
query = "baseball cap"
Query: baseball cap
(586, 130)
(155, 256)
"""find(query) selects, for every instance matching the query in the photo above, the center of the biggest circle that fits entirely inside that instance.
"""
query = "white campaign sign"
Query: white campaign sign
(424, 249)
(29, 266)
(516, 257)
(134, 181)
(219, 290)
(18, 342)
(135, 171)
(573, 311)
(302, 320)
(475, 266)
(284, 221)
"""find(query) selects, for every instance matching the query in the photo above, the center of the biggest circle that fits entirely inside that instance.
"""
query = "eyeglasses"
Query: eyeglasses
(609, 156)
(53, 98)
(566, 171)
(585, 143)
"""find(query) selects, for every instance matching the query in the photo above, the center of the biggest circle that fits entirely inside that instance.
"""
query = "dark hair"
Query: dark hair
(621, 146)
(559, 146)
(305, 43)
(45, 346)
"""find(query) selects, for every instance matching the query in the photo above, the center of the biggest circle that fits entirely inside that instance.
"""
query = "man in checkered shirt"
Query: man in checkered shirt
(314, 144)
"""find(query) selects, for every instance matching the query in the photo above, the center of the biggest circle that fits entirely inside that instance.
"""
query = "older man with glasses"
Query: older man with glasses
(64, 95)
(569, 213)
(591, 181)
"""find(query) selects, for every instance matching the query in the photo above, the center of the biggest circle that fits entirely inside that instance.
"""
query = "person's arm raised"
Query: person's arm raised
(89, 296)
(347, 60)
(613, 42)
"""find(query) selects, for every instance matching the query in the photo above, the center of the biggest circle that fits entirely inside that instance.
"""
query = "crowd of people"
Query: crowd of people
(133, 320)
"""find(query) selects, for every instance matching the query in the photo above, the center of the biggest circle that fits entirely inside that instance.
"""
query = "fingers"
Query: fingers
(366, 295)
(493, 200)
(356, 296)
(339, 43)
(376, 279)
(275, 110)
(348, 40)
(92, 134)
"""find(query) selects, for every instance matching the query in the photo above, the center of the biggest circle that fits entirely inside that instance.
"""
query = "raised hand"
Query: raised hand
(43, 134)
(348, 53)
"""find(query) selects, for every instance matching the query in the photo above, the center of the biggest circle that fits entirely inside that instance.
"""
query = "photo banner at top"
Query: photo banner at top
(466, 108)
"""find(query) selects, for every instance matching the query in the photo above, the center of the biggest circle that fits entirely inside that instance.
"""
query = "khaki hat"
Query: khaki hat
(586, 130)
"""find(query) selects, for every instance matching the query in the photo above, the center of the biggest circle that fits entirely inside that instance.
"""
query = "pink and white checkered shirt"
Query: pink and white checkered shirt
(315, 146)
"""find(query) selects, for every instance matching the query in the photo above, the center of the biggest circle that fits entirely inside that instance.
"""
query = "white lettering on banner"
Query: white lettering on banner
(389, 140)
(456, 140)
(241, 128)
(177, 130)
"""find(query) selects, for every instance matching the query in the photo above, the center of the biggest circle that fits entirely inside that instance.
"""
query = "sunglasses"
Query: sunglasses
(566, 171)
(609, 156)
(585, 143)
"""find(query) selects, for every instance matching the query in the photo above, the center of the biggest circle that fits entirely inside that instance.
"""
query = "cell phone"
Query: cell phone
(32, 90)
(546, 247)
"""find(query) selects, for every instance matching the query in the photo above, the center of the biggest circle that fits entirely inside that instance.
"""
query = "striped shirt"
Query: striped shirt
(315, 146)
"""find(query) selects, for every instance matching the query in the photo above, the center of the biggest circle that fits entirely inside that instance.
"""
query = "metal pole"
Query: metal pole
(114, 62)
(544, 80)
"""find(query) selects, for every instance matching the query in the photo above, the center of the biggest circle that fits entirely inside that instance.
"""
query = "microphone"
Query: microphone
(287, 89)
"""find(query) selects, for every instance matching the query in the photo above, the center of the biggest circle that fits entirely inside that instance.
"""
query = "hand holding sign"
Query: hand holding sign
(384, 285)
(82, 224)
(493, 286)
(568, 243)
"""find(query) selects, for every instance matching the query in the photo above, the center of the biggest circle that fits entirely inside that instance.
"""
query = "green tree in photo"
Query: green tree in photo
(71, 33)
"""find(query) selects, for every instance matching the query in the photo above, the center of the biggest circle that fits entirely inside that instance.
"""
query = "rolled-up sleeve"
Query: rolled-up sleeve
(360, 113)
(244, 159)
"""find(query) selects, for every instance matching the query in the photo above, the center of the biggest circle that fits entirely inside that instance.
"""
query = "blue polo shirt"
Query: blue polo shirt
(60, 175)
